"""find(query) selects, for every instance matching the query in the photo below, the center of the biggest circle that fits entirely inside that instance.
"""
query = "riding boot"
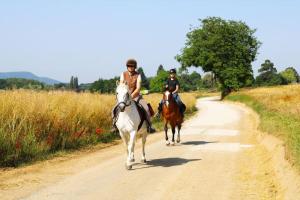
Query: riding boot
(150, 129)
(157, 115)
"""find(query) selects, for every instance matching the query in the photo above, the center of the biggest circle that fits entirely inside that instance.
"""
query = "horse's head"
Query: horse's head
(123, 96)
(167, 98)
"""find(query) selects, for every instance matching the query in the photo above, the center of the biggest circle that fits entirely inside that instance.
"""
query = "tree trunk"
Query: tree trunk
(225, 91)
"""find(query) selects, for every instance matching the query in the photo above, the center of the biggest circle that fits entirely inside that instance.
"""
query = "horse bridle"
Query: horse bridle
(126, 99)
(165, 101)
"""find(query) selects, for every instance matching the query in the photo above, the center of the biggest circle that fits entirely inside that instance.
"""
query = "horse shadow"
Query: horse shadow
(166, 162)
(197, 142)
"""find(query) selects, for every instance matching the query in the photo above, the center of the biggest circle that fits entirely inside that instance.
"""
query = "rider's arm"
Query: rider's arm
(167, 84)
(136, 92)
(122, 78)
(176, 90)
(177, 87)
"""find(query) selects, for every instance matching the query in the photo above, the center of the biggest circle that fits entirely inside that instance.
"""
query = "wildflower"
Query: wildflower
(99, 131)
(18, 145)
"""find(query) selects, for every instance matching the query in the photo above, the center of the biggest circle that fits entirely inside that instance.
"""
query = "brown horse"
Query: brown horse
(172, 116)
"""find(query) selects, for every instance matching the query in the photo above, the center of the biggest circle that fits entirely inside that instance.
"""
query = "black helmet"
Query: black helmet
(173, 71)
(131, 63)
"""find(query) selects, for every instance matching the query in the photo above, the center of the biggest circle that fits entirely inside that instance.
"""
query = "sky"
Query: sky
(92, 39)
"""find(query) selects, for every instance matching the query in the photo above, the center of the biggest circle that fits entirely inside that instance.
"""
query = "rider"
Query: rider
(134, 80)
(172, 84)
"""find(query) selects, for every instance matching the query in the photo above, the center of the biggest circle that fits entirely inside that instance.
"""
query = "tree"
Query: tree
(157, 83)
(225, 48)
(145, 81)
(208, 81)
(104, 86)
(267, 66)
(72, 82)
(268, 75)
(75, 84)
(159, 69)
(188, 81)
(290, 75)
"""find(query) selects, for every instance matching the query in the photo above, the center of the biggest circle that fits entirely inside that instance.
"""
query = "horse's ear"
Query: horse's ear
(117, 83)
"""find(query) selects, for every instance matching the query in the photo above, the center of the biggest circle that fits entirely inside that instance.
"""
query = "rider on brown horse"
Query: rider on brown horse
(133, 80)
(172, 85)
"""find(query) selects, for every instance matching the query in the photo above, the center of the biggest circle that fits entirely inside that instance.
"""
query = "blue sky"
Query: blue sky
(92, 39)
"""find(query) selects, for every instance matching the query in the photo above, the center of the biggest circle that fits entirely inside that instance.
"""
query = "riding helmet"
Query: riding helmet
(173, 71)
(131, 63)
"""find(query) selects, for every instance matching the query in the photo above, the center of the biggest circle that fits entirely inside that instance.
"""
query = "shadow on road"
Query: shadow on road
(197, 142)
(166, 162)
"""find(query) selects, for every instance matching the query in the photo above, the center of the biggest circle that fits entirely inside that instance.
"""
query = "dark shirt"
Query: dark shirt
(172, 84)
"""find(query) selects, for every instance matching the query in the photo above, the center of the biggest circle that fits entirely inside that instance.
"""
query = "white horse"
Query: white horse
(128, 122)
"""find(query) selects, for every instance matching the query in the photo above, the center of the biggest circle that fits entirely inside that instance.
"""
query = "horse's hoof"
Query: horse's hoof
(143, 161)
(167, 142)
(172, 143)
(178, 141)
(132, 160)
(128, 167)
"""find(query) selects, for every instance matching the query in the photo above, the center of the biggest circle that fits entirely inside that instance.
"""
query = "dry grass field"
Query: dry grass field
(35, 124)
(284, 99)
(279, 110)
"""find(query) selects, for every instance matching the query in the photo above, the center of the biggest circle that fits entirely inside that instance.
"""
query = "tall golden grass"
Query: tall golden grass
(33, 124)
(279, 110)
(283, 99)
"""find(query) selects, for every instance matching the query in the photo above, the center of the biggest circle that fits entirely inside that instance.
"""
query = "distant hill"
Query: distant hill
(28, 75)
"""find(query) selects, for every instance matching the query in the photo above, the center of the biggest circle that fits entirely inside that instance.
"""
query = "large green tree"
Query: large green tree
(224, 47)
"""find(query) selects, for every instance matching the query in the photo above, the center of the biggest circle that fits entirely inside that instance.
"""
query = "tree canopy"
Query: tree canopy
(268, 75)
(223, 47)
(290, 75)
(145, 81)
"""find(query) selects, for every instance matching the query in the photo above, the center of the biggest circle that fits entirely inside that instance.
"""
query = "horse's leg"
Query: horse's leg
(125, 141)
(143, 147)
(166, 133)
(173, 135)
(178, 136)
(131, 143)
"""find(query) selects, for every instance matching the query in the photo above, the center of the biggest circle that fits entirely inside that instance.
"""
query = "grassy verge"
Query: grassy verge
(286, 126)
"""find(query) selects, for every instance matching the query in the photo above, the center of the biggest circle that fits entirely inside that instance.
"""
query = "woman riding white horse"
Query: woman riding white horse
(126, 115)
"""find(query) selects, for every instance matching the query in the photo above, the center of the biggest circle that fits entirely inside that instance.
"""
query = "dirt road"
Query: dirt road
(218, 158)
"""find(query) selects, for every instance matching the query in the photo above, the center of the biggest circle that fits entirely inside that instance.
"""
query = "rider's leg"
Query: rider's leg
(181, 105)
(148, 116)
(114, 114)
(160, 105)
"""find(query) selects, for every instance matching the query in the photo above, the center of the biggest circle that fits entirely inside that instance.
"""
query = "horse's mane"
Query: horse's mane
(123, 85)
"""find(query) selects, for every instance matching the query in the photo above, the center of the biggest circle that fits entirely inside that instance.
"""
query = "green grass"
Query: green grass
(284, 126)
